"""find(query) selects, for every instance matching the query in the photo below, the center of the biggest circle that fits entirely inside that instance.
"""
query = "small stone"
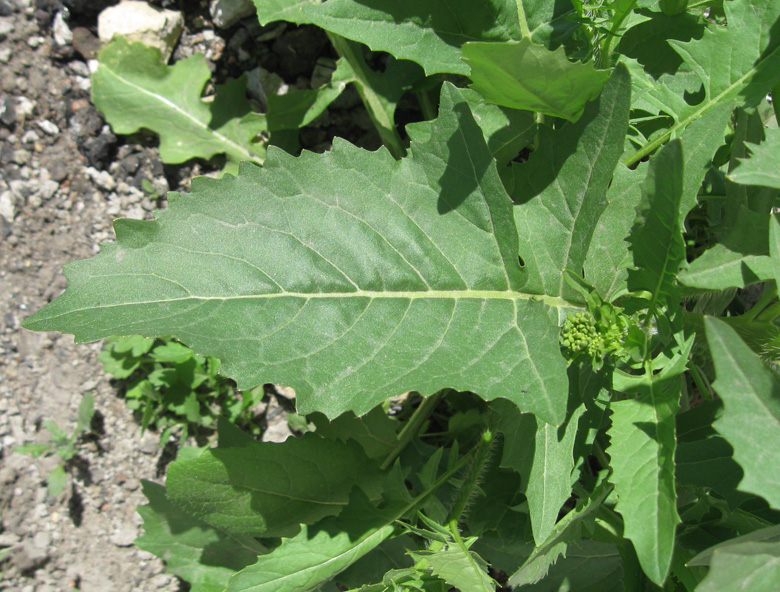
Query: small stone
(24, 107)
(21, 156)
(102, 179)
(6, 27)
(30, 137)
(79, 68)
(5, 55)
(85, 43)
(124, 535)
(49, 127)
(48, 188)
(226, 13)
(139, 21)
(35, 41)
(62, 34)
(7, 205)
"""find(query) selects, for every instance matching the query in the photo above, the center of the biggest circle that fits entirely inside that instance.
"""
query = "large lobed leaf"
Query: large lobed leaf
(762, 167)
(349, 276)
(135, 90)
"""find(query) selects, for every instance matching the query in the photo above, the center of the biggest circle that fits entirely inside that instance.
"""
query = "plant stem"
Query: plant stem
(478, 465)
(426, 105)
(522, 19)
(378, 109)
(698, 379)
(413, 426)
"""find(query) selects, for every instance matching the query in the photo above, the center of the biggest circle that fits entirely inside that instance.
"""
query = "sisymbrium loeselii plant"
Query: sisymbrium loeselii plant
(568, 269)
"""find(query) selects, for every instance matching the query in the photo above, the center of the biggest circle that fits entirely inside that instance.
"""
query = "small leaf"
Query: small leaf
(268, 489)
(569, 530)
(523, 75)
(283, 10)
(203, 555)
(429, 32)
(134, 89)
(761, 168)
(746, 566)
(56, 481)
(656, 238)
(751, 399)
(459, 567)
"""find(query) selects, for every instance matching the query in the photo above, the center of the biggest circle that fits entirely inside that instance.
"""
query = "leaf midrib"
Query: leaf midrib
(183, 113)
(552, 301)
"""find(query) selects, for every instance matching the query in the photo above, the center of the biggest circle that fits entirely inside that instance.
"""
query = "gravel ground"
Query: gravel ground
(64, 177)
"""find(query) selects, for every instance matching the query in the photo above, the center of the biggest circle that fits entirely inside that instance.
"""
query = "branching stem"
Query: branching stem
(413, 426)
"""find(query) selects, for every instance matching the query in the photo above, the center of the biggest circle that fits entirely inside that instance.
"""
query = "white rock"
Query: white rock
(6, 27)
(7, 205)
(24, 107)
(5, 55)
(61, 31)
(30, 137)
(35, 41)
(226, 13)
(102, 179)
(138, 21)
(49, 127)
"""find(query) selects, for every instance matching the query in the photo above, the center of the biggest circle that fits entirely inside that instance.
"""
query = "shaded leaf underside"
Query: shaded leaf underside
(349, 276)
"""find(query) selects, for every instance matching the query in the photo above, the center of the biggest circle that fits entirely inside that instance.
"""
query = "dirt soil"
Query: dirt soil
(64, 176)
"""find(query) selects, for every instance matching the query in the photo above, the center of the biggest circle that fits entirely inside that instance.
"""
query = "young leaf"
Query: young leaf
(283, 10)
(656, 238)
(268, 489)
(761, 168)
(744, 566)
(135, 90)
(567, 531)
(738, 63)
(543, 456)
(320, 552)
(751, 399)
(460, 567)
(429, 32)
(347, 275)
(589, 566)
(523, 75)
(561, 188)
(204, 556)
(740, 259)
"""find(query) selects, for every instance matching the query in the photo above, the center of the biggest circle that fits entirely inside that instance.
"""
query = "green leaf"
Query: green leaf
(507, 131)
(751, 399)
(376, 432)
(740, 259)
(761, 168)
(267, 489)
(429, 32)
(589, 566)
(561, 188)
(34, 450)
(642, 450)
(543, 456)
(567, 531)
(459, 567)
(523, 75)
(134, 89)
(769, 534)
(734, 64)
(745, 566)
(283, 10)
(347, 275)
(320, 552)
(56, 481)
(656, 238)
(204, 556)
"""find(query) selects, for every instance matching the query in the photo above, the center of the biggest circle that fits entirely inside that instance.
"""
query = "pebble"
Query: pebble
(124, 535)
(35, 41)
(30, 137)
(49, 127)
(5, 54)
(102, 179)
(62, 33)
(6, 27)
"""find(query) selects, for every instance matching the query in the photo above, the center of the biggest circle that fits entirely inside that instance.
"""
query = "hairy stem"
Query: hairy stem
(475, 471)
